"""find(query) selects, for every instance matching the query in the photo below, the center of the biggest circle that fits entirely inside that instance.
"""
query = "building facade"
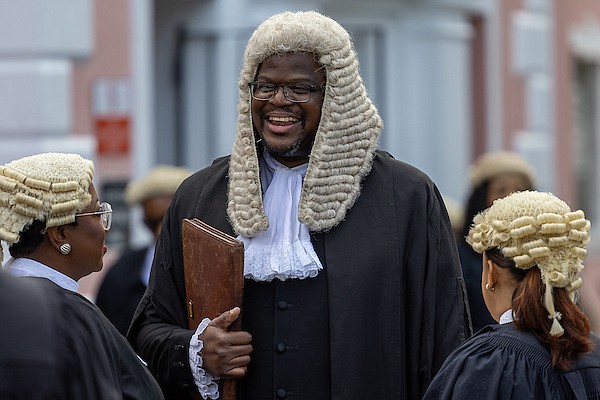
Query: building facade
(135, 83)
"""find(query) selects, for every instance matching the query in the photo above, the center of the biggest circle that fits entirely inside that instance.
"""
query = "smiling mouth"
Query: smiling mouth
(284, 120)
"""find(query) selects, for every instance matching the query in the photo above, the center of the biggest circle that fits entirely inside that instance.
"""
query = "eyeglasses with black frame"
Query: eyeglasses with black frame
(294, 92)
(105, 214)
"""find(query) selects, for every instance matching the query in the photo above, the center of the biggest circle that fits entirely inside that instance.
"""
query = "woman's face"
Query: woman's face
(504, 184)
(87, 239)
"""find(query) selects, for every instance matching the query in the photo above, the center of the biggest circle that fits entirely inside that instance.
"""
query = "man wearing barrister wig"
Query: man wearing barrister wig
(353, 288)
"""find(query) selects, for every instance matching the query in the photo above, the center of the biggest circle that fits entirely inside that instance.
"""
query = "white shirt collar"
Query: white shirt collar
(506, 317)
(26, 267)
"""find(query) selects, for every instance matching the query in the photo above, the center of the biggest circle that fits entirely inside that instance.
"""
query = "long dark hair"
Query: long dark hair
(531, 314)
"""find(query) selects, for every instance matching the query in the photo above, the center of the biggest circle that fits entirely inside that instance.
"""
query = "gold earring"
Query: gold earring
(487, 287)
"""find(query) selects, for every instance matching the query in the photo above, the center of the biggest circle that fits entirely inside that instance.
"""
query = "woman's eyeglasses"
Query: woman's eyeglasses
(105, 214)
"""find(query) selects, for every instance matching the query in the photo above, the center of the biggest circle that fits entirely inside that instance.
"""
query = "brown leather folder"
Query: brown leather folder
(213, 265)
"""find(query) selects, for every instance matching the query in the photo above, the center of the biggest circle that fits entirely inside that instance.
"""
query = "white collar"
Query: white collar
(506, 317)
(26, 267)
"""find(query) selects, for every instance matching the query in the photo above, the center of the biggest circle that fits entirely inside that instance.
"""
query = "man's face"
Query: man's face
(154, 211)
(504, 184)
(287, 128)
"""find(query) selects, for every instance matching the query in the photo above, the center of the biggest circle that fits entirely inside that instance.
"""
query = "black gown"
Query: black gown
(397, 304)
(30, 365)
(501, 362)
(90, 358)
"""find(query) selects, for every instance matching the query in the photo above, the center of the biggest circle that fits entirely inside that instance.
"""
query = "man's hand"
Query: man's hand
(226, 354)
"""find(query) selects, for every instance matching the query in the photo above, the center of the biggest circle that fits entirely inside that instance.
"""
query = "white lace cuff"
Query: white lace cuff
(206, 383)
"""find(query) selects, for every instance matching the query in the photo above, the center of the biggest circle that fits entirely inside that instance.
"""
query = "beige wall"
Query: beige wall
(110, 58)
(568, 16)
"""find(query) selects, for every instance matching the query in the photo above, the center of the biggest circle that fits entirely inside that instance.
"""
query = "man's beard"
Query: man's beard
(293, 151)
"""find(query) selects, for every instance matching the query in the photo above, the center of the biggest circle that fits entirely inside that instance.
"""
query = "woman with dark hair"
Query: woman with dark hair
(492, 176)
(533, 246)
(55, 226)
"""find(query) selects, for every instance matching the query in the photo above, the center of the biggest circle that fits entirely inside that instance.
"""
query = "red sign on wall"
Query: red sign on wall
(113, 134)
(111, 113)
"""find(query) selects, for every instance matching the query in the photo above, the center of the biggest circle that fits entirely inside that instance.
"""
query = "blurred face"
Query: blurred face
(504, 184)
(154, 211)
(87, 239)
(286, 128)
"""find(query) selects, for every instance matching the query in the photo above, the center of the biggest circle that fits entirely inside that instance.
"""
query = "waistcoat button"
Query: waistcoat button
(282, 305)
(281, 393)
(281, 347)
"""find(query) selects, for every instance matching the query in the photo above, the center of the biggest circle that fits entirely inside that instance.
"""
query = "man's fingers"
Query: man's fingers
(237, 367)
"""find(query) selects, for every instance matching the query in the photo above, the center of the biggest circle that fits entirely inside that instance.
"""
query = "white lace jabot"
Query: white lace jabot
(284, 250)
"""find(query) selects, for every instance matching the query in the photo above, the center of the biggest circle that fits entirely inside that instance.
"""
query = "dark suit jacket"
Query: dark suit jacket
(122, 288)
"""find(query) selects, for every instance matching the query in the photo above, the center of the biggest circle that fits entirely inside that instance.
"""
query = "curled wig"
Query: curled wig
(346, 138)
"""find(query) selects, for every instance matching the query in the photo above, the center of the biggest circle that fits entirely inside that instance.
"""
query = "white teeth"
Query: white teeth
(283, 119)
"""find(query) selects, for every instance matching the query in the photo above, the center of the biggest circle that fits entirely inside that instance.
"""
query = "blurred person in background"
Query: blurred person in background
(456, 213)
(126, 281)
(533, 246)
(55, 226)
(493, 175)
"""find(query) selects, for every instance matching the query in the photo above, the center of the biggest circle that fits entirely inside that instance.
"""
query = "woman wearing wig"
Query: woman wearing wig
(55, 226)
(532, 246)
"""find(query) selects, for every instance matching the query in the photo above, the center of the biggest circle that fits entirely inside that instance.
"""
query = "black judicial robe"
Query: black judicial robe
(92, 359)
(397, 303)
(501, 362)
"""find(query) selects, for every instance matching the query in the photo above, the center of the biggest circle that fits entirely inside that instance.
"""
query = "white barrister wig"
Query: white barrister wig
(345, 141)
(536, 229)
(49, 187)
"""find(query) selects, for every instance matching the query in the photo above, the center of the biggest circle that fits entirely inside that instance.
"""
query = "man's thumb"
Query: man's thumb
(224, 320)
